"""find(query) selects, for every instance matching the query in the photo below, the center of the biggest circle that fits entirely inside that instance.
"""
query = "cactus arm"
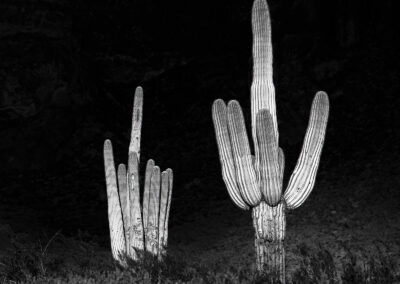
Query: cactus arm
(170, 183)
(146, 193)
(267, 159)
(237, 130)
(262, 87)
(134, 145)
(135, 226)
(123, 198)
(151, 232)
(114, 208)
(220, 121)
(245, 173)
(163, 212)
(303, 178)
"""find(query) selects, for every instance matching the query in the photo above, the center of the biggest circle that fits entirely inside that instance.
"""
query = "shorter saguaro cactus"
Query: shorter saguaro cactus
(135, 228)
(255, 181)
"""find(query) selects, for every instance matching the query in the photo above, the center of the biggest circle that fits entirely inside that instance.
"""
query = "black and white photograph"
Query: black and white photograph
(250, 141)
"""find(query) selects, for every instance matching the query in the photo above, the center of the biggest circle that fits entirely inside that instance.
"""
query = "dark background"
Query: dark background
(68, 71)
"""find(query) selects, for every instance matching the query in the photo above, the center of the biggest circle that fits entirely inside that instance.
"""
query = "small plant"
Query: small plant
(130, 231)
(256, 180)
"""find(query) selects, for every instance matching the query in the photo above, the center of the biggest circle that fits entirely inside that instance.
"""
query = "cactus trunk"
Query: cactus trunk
(270, 225)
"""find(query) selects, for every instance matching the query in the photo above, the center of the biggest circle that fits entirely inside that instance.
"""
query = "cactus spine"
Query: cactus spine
(134, 228)
(256, 181)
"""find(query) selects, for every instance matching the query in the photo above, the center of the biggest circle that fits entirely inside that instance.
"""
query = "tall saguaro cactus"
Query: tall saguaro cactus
(133, 227)
(256, 180)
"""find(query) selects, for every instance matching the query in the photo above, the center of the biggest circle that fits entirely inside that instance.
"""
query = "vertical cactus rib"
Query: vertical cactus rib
(170, 183)
(281, 159)
(123, 198)
(237, 130)
(220, 121)
(135, 226)
(269, 179)
(114, 208)
(245, 173)
(163, 212)
(262, 88)
(151, 232)
(134, 145)
(303, 178)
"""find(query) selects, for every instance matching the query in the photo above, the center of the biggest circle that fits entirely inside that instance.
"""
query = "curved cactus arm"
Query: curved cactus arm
(281, 159)
(245, 173)
(269, 181)
(123, 198)
(134, 145)
(262, 87)
(135, 225)
(163, 212)
(114, 209)
(303, 178)
(151, 232)
(170, 183)
(220, 120)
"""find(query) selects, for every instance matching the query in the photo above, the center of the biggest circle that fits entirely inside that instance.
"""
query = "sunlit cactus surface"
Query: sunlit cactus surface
(254, 180)
(137, 226)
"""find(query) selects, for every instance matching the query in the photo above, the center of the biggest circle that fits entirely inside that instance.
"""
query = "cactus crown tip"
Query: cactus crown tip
(218, 105)
(233, 103)
(218, 102)
(322, 98)
(107, 143)
(322, 94)
(139, 92)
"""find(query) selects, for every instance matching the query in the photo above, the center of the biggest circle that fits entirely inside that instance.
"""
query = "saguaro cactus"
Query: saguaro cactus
(131, 231)
(256, 180)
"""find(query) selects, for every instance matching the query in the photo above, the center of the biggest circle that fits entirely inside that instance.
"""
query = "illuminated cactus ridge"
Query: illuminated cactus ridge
(134, 228)
(256, 180)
